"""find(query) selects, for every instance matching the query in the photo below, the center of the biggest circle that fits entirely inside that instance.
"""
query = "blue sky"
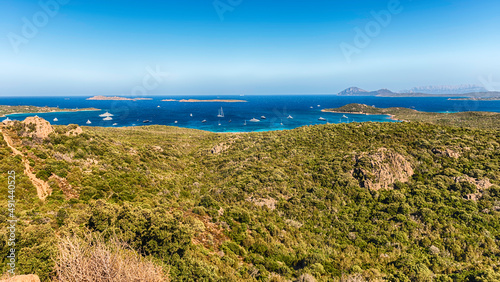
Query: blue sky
(90, 47)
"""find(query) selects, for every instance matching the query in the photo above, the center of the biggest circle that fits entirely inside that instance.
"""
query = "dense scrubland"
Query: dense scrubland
(349, 202)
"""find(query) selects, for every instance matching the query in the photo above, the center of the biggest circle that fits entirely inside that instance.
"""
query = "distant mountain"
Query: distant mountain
(355, 91)
(446, 89)
(473, 91)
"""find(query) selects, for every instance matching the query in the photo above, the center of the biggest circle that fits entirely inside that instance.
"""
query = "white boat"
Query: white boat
(281, 122)
(289, 117)
(175, 121)
(219, 122)
(115, 123)
(344, 116)
(158, 106)
(262, 117)
(190, 115)
(221, 113)
(7, 120)
(254, 120)
(245, 123)
(88, 122)
(107, 118)
(106, 114)
(319, 106)
(204, 121)
(311, 107)
(55, 119)
(322, 119)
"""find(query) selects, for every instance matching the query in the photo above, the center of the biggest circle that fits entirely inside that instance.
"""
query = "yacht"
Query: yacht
(254, 120)
(344, 116)
(322, 119)
(190, 115)
(262, 117)
(221, 113)
(88, 122)
(55, 119)
(175, 121)
(106, 114)
(115, 123)
(107, 118)
(203, 121)
(146, 121)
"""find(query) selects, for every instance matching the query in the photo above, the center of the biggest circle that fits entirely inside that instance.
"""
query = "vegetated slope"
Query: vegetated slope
(394, 201)
(487, 120)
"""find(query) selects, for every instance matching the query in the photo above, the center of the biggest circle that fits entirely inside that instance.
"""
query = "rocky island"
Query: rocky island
(116, 98)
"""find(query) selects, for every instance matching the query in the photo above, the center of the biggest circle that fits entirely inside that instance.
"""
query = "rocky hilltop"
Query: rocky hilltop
(38, 127)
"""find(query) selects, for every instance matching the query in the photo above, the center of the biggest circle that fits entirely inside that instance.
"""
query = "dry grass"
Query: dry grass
(92, 259)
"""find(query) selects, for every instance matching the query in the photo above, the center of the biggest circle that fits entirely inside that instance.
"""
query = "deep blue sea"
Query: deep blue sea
(305, 110)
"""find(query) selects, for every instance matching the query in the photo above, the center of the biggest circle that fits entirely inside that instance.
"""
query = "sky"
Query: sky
(164, 47)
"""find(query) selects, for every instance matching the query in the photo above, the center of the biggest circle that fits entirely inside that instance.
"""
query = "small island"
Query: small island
(212, 100)
(9, 110)
(116, 98)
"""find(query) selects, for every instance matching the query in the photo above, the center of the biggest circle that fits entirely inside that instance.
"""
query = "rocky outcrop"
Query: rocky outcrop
(381, 169)
(446, 153)
(74, 132)
(38, 127)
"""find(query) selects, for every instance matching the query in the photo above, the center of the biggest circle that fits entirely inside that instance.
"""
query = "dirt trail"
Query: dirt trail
(42, 187)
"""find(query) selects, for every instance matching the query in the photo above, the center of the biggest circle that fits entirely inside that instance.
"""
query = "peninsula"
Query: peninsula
(9, 110)
(488, 120)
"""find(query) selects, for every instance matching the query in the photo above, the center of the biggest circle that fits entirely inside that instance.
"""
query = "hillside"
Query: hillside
(376, 201)
(487, 120)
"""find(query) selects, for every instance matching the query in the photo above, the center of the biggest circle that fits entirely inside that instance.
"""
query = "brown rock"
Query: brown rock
(42, 128)
(381, 169)
(75, 132)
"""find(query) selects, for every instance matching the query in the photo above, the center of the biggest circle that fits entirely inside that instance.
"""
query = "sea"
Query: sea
(280, 111)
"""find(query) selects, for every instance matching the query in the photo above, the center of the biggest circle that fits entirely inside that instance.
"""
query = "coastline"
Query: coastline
(389, 116)
(63, 111)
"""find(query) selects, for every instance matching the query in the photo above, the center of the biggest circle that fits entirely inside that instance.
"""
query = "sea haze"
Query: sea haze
(305, 110)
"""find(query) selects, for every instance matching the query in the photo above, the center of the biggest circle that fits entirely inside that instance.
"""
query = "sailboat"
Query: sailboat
(219, 122)
(245, 123)
(281, 122)
(88, 122)
(221, 113)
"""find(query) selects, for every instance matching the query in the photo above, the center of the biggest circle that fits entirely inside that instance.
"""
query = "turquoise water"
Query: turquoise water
(305, 110)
